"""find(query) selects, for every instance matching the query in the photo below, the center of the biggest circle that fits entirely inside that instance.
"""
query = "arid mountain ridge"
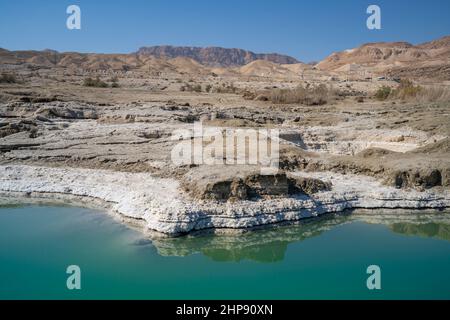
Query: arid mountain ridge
(430, 59)
(215, 56)
(207, 57)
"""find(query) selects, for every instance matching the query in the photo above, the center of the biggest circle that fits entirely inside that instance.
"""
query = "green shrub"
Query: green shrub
(383, 93)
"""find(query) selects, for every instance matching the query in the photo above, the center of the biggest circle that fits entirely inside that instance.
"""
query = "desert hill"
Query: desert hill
(263, 68)
(430, 59)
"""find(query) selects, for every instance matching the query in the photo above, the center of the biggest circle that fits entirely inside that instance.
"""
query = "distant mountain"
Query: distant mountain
(430, 59)
(215, 56)
(400, 59)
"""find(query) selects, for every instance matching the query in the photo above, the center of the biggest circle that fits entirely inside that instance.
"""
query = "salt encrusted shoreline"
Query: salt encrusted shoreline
(162, 207)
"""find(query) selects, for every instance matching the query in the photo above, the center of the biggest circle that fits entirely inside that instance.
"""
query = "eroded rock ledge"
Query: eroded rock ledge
(163, 207)
(232, 183)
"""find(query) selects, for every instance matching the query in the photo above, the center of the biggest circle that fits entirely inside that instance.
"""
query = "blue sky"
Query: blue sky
(307, 30)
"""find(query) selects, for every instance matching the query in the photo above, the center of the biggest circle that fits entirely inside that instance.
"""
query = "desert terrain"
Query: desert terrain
(365, 128)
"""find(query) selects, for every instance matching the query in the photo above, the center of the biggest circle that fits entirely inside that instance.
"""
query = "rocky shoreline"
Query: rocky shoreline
(160, 205)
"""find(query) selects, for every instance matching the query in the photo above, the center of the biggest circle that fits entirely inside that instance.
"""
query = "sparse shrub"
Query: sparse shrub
(406, 90)
(97, 83)
(191, 88)
(208, 88)
(383, 93)
(225, 88)
(8, 78)
(310, 95)
(88, 82)
(434, 94)
(115, 82)
(249, 95)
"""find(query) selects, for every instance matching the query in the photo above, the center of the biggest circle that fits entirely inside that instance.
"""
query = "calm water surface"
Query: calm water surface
(325, 259)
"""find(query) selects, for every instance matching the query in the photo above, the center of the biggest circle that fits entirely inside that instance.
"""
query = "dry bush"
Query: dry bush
(408, 91)
(249, 95)
(8, 78)
(434, 94)
(225, 88)
(97, 83)
(114, 82)
(383, 93)
(311, 96)
(191, 88)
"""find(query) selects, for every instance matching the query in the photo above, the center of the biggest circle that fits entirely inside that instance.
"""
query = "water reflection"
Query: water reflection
(426, 230)
(270, 245)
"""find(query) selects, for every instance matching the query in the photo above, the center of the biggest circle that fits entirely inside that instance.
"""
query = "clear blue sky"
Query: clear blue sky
(307, 30)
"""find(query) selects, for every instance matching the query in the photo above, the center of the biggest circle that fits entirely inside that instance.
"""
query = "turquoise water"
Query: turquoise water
(326, 259)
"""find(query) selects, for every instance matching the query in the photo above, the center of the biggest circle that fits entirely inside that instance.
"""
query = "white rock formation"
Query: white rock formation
(164, 208)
